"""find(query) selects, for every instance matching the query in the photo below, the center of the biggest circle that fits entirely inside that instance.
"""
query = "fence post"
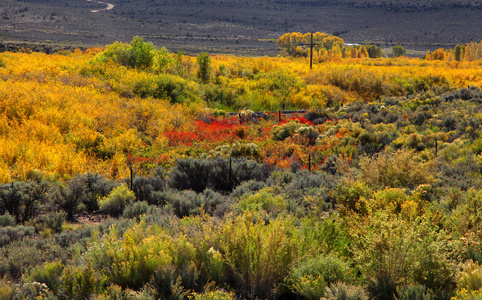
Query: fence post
(230, 175)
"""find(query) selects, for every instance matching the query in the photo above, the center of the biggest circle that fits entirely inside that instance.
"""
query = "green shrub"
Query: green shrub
(166, 86)
(131, 259)
(137, 54)
(49, 273)
(190, 174)
(330, 267)
(97, 187)
(211, 201)
(13, 233)
(148, 188)
(374, 51)
(20, 256)
(183, 203)
(168, 284)
(117, 200)
(213, 295)
(353, 196)
(81, 282)
(330, 235)
(310, 287)
(6, 220)
(139, 208)
(204, 67)
(413, 292)
(398, 51)
(343, 291)
(68, 238)
(400, 169)
(52, 222)
(262, 200)
(188, 203)
(22, 199)
(282, 131)
(470, 278)
(259, 256)
(304, 181)
(392, 251)
(7, 289)
(70, 197)
(246, 187)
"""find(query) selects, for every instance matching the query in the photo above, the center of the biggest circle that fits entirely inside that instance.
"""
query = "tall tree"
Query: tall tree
(204, 67)
(398, 51)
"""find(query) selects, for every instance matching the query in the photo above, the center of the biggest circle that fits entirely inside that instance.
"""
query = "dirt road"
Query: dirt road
(108, 6)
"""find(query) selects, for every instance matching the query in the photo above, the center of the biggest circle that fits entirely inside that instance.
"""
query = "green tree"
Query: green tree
(459, 52)
(374, 51)
(138, 54)
(204, 67)
(398, 51)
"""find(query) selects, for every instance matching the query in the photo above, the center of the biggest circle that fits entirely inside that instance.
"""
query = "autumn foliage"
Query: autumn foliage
(176, 185)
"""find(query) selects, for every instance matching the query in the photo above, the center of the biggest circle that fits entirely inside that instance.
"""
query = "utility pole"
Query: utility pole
(311, 44)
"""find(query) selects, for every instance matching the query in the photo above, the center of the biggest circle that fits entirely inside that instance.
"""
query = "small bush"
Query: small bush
(20, 256)
(213, 295)
(70, 197)
(147, 188)
(81, 282)
(262, 200)
(259, 256)
(343, 291)
(310, 287)
(7, 289)
(190, 174)
(52, 222)
(470, 278)
(182, 204)
(246, 187)
(413, 292)
(117, 200)
(22, 199)
(13, 233)
(400, 169)
(330, 269)
(6, 220)
(97, 187)
(167, 283)
(210, 200)
(136, 209)
(282, 131)
(49, 274)
(137, 54)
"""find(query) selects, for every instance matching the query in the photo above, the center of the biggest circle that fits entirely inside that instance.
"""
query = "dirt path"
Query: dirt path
(108, 7)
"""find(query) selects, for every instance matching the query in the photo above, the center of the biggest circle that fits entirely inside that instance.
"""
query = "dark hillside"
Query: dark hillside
(245, 27)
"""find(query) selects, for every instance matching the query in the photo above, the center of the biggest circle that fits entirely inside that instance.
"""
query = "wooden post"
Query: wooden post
(311, 52)
(230, 176)
(309, 161)
(311, 44)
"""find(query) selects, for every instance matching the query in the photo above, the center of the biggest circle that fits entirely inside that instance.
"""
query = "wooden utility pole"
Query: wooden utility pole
(311, 44)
